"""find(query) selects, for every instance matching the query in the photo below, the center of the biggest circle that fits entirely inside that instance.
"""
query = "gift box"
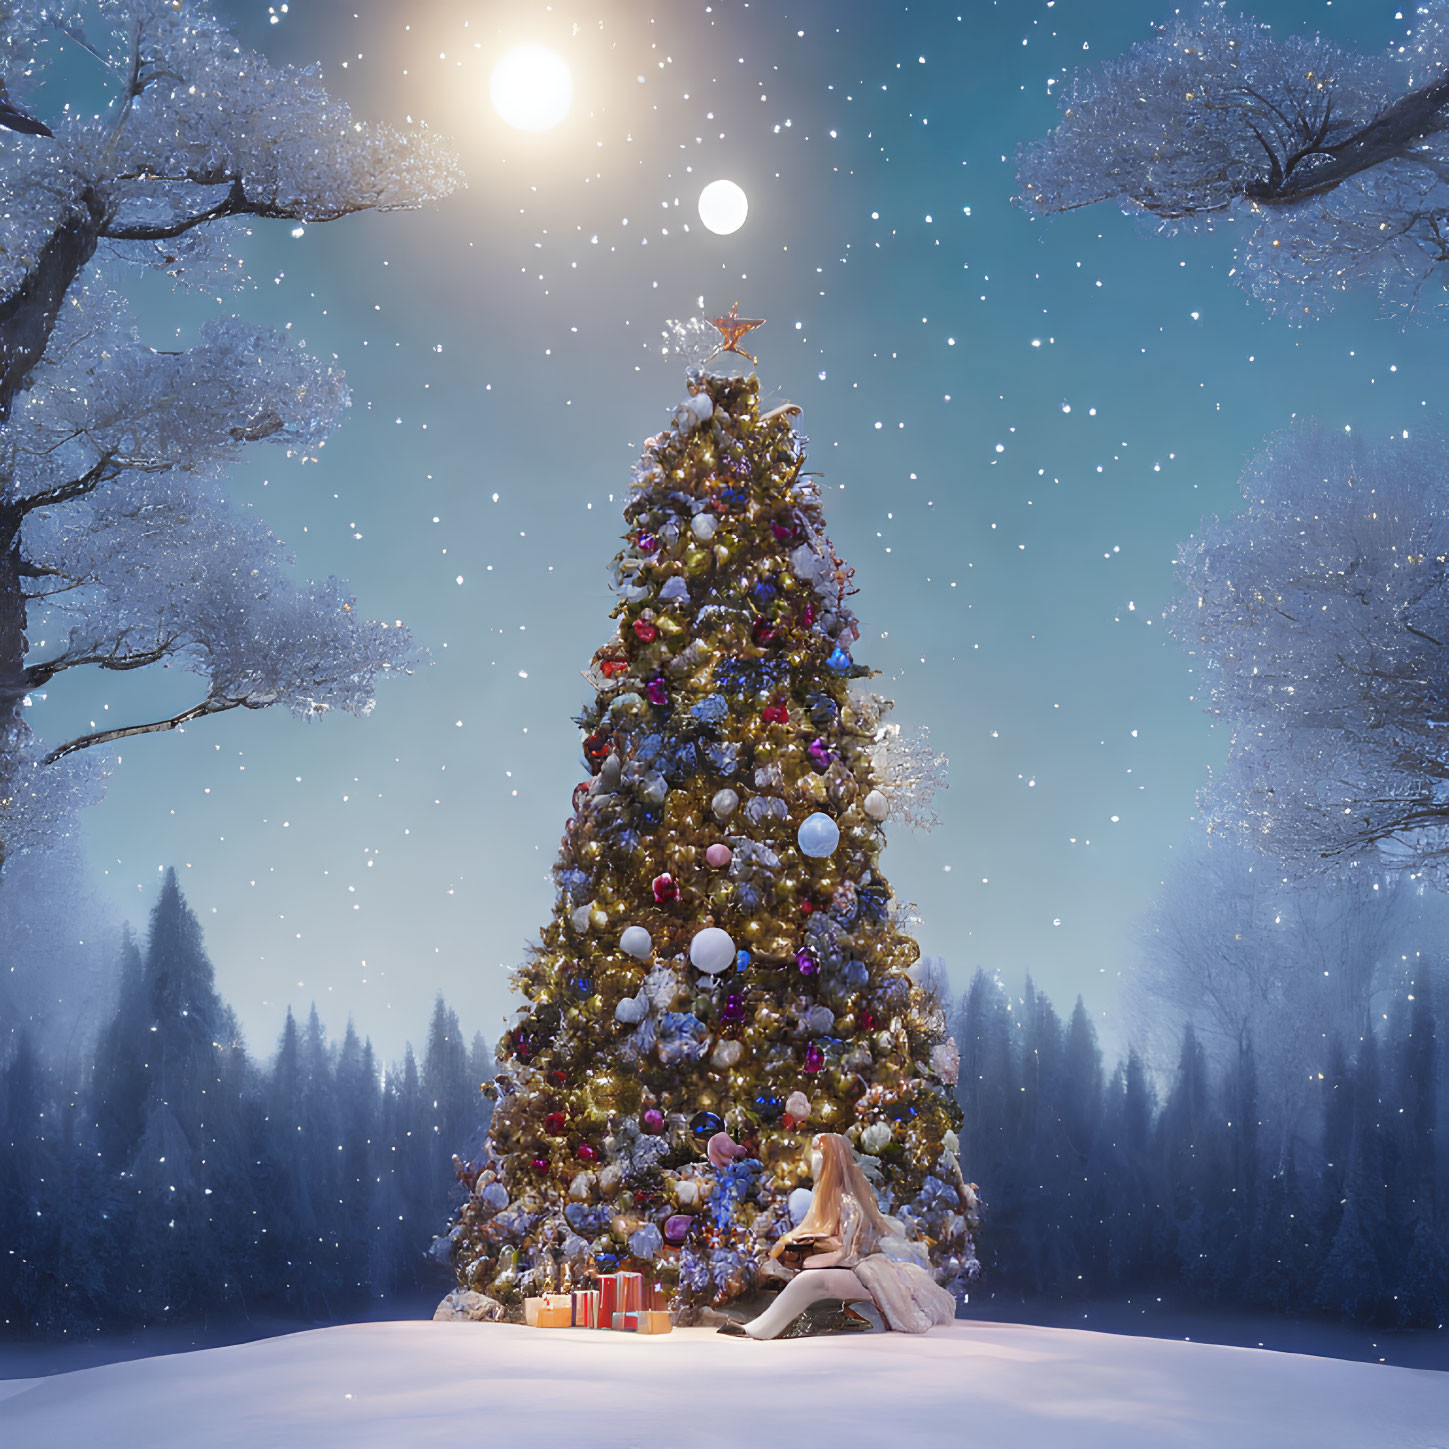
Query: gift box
(646, 1320)
(530, 1311)
(630, 1293)
(556, 1311)
(608, 1299)
(586, 1308)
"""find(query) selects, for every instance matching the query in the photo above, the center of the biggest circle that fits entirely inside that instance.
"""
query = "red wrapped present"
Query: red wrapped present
(608, 1299)
(630, 1293)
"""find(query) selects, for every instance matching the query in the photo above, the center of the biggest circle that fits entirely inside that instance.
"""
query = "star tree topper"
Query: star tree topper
(732, 327)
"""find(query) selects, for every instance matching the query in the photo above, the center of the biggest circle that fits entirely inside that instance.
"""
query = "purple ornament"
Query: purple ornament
(734, 1008)
(805, 961)
(819, 753)
(676, 1229)
(647, 543)
(656, 691)
(814, 1058)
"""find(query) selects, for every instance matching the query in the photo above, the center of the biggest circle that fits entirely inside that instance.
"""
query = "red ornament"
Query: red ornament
(585, 1153)
(554, 1124)
(540, 1164)
(782, 531)
(613, 668)
(869, 1020)
(558, 1078)
(814, 1059)
(787, 1122)
(645, 630)
(762, 631)
(806, 907)
(775, 713)
(665, 888)
(597, 749)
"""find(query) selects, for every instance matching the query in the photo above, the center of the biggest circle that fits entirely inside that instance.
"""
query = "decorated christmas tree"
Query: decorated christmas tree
(726, 972)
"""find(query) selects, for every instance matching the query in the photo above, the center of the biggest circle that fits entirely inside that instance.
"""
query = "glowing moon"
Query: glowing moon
(532, 87)
(723, 207)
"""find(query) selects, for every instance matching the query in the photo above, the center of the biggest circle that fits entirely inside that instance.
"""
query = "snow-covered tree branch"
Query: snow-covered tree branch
(1320, 616)
(115, 530)
(1337, 163)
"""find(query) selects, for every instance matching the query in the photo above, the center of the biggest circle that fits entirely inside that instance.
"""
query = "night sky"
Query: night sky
(1017, 423)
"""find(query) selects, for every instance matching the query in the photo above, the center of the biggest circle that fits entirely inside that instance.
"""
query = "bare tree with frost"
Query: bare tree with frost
(1275, 969)
(1336, 162)
(1320, 615)
(118, 547)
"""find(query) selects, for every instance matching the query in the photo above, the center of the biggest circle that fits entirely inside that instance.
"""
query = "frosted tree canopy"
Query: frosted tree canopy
(1320, 615)
(118, 546)
(1337, 162)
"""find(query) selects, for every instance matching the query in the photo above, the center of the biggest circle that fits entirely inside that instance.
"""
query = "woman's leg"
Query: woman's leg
(839, 1285)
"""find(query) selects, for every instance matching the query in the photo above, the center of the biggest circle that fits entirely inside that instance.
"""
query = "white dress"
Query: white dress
(909, 1299)
(887, 1272)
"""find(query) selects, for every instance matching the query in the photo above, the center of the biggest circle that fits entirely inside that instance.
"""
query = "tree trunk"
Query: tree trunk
(13, 729)
(27, 318)
(27, 315)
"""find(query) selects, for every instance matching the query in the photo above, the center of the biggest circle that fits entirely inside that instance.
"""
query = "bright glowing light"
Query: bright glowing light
(723, 207)
(532, 87)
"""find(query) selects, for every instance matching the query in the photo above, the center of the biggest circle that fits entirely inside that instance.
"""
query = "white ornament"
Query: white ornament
(636, 942)
(712, 951)
(797, 1104)
(727, 1053)
(703, 525)
(579, 920)
(702, 406)
(818, 835)
(724, 804)
(632, 1010)
(876, 1136)
(674, 588)
(877, 806)
(799, 1203)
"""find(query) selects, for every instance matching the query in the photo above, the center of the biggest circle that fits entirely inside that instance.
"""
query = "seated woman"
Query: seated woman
(854, 1254)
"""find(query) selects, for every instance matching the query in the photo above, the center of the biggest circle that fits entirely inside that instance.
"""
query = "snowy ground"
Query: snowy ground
(415, 1385)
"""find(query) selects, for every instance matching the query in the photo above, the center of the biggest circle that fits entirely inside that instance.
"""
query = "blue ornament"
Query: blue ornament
(703, 1126)
(818, 835)
(769, 1107)
(838, 660)
(742, 960)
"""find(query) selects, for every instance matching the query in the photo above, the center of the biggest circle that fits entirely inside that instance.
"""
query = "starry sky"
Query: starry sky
(1017, 422)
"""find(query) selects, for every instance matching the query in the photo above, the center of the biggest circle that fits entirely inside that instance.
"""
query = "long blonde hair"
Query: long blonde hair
(839, 1174)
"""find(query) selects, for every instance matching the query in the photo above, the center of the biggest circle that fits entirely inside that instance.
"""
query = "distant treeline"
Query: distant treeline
(182, 1180)
(1095, 1187)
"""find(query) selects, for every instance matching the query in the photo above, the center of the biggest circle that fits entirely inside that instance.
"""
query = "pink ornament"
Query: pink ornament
(718, 856)
(722, 1149)
(814, 1059)
(653, 1121)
